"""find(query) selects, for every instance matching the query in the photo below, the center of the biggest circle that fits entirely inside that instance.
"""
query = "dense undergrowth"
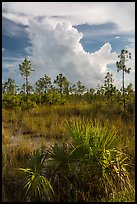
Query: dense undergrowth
(75, 152)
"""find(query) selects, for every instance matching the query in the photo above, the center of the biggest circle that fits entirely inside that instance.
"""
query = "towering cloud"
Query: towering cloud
(56, 48)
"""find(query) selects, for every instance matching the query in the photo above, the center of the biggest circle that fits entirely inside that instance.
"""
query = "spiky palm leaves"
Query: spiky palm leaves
(37, 186)
(89, 167)
(96, 148)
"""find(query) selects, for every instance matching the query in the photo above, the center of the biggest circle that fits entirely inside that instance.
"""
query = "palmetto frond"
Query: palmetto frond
(37, 185)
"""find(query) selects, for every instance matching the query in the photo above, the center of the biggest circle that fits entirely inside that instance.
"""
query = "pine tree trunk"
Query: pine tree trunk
(27, 83)
(123, 91)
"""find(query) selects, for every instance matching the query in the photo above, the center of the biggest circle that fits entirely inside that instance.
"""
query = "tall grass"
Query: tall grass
(91, 159)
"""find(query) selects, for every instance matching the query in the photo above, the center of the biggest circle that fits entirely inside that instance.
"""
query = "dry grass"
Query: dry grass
(23, 132)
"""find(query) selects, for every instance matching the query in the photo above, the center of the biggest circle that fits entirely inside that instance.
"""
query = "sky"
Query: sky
(81, 40)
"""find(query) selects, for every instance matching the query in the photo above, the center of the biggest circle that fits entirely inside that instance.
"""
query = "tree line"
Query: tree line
(62, 91)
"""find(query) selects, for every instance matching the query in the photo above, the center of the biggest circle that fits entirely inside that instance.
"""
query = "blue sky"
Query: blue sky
(79, 39)
(94, 36)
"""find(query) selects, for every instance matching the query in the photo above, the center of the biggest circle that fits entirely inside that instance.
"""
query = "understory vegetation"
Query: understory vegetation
(74, 152)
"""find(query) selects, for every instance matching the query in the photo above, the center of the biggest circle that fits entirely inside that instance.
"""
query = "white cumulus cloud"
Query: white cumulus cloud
(56, 48)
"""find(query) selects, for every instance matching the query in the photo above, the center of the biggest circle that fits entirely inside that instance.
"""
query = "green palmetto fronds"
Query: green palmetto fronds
(91, 161)
(97, 144)
(37, 185)
(58, 153)
(78, 130)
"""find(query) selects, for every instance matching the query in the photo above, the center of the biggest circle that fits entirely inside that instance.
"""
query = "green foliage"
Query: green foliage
(123, 196)
(109, 87)
(80, 88)
(43, 84)
(17, 102)
(63, 83)
(10, 101)
(37, 185)
(9, 87)
(121, 65)
(25, 70)
(101, 152)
